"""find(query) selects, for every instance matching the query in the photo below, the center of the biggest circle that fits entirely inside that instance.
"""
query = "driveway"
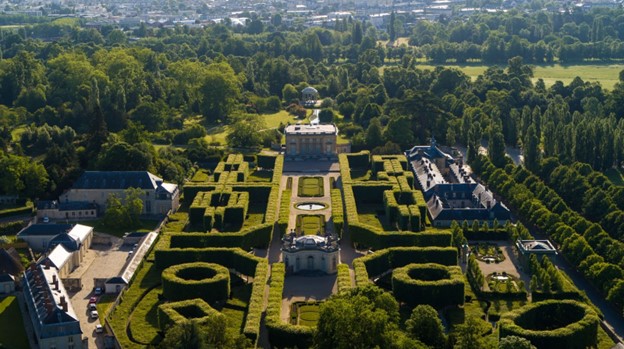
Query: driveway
(101, 261)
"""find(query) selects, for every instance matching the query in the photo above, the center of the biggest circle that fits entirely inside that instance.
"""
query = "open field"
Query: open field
(13, 334)
(311, 187)
(606, 74)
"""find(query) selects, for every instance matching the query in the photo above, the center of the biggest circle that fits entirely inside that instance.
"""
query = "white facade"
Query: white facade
(311, 252)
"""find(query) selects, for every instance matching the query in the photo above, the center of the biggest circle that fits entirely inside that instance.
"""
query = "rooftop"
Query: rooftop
(307, 129)
(117, 180)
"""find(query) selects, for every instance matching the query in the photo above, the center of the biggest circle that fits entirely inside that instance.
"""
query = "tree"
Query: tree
(425, 325)
(399, 131)
(496, 145)
(469, 334)
(363, 317)
(531, 149)
(219, 92)
(244, 133)
(373, 134)
(513, 342)
(326, 116)
(126, 213)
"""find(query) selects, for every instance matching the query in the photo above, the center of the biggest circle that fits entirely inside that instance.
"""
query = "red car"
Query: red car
(92, 300)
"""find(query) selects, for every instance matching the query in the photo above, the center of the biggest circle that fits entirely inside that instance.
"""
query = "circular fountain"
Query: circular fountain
(310, 206)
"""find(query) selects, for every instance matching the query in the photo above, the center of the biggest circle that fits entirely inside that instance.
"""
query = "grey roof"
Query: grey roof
(117, 180)
(45, 229)
(116, 280)
(309, 89)
(65, 206)
(6, 278)
(10, 261)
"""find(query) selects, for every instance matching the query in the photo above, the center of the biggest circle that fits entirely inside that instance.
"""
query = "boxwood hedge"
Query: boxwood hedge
(556, 324)
(191, 309)
(344, 278)
(434, 284)
(208, 281)
(283, 335)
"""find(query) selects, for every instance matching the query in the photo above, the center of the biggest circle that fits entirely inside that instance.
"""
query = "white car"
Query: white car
(93, 314)
(99, 328)
(92, 306)
(46, 219)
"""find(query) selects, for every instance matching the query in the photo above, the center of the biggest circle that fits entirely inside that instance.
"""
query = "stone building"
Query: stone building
(304, 140)
(310, 253)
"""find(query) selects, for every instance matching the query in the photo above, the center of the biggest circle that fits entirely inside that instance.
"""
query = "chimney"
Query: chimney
(63, 304)
(47, 264)
(489, 204)
(33, 266)
(53, 278)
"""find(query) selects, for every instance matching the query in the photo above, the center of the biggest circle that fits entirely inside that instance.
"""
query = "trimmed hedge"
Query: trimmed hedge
(383, 260)
(344, 278)
(526, 322)
(208, 281)
(359, 160)
(189, 310)
(283, 335)
(372, 237)
(258, 236)
(430, 283)
(10, 212)
(256, 302)
(337, 210)
(284, 211)
(231, 258)
(278, 169)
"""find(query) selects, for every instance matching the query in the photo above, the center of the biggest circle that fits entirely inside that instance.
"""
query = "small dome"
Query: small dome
(309, 90)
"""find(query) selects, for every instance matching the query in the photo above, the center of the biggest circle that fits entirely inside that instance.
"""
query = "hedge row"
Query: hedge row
(278, 169)
(231, 258)
(283, 335)
(344, 278)
(208, 281)
(256, 302)
(284, 211)
(526, 322)
(372, 237)
(191, 309)
(257, 236)
(10, 212)
(395, 257)
(359, 160)
(337, 210)
(345, 170)
(429, 283)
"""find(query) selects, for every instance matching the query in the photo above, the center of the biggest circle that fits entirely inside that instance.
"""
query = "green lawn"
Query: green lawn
(310, 224)
(311, 187)
(146, 226)
(308, 314)
(260, 176)
(374, 215)
(12, 333)
(606, 74)
(144, 319)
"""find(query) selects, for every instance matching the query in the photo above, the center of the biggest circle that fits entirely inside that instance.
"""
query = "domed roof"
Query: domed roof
(309, 90)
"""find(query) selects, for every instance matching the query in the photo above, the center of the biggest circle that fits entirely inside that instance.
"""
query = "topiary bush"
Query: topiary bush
(208, 281)
(192, 309)
(429, 283)
(555, 324)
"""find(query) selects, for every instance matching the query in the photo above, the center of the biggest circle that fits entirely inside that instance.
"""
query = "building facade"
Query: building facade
(53, 318)
(311, 253)
(311, 140)
(56, 210)
(95, 187)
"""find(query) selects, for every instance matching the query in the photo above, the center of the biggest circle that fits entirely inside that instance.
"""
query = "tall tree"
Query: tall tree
(532, 154)
(425, 325)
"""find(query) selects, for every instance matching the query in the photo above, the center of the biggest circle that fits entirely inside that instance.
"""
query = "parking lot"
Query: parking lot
(101, 261)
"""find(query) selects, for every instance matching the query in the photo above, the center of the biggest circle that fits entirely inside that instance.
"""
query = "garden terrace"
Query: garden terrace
(208, 281)
(553, 324)
(428, 283)
(310, 224)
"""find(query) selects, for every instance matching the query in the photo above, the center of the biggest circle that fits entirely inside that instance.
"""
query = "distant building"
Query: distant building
(538, 247)
(42, 237)
(450, 192)
(95, 187)
(53, 318)
(311, 140)
(310, 253)
(115, 285)
(309, 96)
(74, 210)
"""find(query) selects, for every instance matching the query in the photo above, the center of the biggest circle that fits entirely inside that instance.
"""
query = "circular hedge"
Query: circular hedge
(208, 281)
(553, 324)
(434, 284)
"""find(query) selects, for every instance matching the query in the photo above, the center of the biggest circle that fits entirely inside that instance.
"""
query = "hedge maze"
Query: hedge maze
(385, 210)
(189, 310)
(429, 283)
(565, 324)
(227, 215)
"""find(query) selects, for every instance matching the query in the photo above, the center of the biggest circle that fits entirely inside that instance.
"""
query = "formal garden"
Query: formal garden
(200, 270)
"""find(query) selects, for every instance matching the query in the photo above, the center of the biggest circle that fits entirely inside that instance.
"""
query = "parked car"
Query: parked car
(94, 314)
(92, 306)
(99, 328)
(98, 291)
(93, 300)
(46, 219)
(130, 254)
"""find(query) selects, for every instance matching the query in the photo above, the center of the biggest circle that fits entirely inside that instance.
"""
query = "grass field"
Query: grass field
(311, 187)
(606, 74)
(144, 319)
(12, 332)
(308, 224)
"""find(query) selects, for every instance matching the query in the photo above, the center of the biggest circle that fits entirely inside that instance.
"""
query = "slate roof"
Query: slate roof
(45, 229)
(117, 180)
(6, 278)
(65, 206)
(10, 262)
(116, 280)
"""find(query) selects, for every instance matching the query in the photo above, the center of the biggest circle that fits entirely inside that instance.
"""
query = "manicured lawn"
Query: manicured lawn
(371, 214)
(236, 308)
(217, 134)
(308, 314)
(260, 176)
(12, 332)
(146, 226)
(104, 302)
(144, 319)
(606, 74)
(255, 215)
(311, 187)
(361, 175)
(311, 224)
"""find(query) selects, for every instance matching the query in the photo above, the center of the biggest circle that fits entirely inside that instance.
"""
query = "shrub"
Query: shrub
(208, 281)
(256, 302)
(430, 283)
(344, 278)
(553, 324)
(337, 210)
(191, 309)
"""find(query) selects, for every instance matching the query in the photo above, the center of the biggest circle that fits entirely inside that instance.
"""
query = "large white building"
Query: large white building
(310, 253)
(311, 140)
